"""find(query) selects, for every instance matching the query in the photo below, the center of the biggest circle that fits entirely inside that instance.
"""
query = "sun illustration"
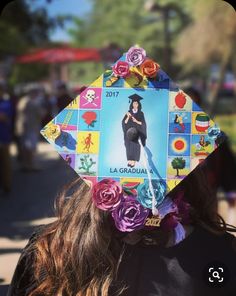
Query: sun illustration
(179, 145)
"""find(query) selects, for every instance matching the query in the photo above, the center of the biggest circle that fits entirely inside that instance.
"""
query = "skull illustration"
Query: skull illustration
(90, 95)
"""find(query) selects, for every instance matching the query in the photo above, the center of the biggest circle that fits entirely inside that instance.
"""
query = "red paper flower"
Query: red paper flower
(121, 69)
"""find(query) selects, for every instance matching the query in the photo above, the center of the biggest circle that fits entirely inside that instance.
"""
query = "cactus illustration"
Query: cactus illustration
(86, 163)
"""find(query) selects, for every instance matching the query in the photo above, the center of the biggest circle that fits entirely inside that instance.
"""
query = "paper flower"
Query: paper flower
(135, 56)
(121, 69)
(149, 68)
(107, 194)
(145, 195)
(129, 215)
(167, 207)
(214, 132)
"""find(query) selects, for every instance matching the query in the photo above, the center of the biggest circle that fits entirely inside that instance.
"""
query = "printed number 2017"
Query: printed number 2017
(110, 94)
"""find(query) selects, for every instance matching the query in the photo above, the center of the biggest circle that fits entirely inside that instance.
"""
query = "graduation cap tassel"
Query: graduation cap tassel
(155, 211)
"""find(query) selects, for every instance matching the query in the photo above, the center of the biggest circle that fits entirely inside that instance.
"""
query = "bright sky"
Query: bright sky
(59, 7)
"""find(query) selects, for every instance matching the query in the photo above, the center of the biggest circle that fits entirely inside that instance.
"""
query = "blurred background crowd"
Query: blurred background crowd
(50, 50)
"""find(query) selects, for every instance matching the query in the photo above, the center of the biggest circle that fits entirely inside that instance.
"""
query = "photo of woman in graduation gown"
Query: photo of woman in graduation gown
(83, 254)
(134, 128)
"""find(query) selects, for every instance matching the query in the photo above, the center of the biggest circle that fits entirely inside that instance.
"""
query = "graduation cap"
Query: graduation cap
(135, 98)
(134, 158)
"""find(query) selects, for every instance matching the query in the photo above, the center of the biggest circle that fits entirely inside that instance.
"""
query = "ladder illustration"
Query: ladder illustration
(67, 119)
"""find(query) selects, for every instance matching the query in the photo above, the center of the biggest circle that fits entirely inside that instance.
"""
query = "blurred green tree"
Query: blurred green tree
(24, 28)
(153, 25)
(210, 38)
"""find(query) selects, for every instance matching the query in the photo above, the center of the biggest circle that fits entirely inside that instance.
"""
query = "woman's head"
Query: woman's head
(136, 105)
(80, 252)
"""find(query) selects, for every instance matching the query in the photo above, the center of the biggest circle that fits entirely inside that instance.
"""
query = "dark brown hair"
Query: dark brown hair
(79, 253)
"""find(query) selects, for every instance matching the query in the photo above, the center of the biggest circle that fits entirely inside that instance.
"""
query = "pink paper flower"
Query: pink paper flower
(107, 194)
(121, 69)
(135, 56)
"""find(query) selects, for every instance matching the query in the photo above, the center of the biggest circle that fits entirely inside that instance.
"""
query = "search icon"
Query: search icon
(216, 274)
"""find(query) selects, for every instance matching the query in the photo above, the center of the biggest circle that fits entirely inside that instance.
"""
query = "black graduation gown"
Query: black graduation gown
(133, 147)
(181, 270)
(149, 270)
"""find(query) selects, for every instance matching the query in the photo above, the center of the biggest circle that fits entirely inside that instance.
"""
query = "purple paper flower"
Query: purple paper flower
(135, 56)
(107, 194)
(130, 215)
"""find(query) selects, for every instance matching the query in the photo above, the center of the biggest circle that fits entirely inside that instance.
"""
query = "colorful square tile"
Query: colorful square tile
(178, 167)
(69, 159)
(179, 101)
(200, 122)
(88, 142)
(179, 145)
(172, 183)
(89, 120)
(66, 141)
(67, 119)
(90, 98)
(87, 164)
(202, 146)
(180, 122)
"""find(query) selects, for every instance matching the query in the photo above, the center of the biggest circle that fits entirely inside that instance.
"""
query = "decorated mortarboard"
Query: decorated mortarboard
(134, 153)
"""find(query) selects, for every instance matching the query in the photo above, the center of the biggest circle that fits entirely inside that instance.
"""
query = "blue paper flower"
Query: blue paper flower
(145, 194)
(214, 132)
